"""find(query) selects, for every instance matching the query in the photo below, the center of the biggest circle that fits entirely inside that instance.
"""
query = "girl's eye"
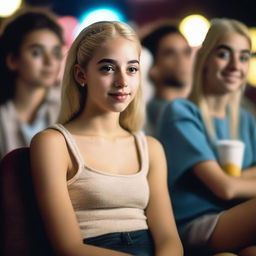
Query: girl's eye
(133, 69)
(107, 68)
(244, 58)
(36, 52)
(223, 55)
(57, 53)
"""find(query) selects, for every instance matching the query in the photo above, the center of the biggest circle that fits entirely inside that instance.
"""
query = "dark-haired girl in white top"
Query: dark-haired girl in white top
(102, 185)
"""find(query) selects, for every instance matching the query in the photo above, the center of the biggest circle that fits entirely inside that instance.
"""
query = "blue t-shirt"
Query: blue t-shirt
(184, 137)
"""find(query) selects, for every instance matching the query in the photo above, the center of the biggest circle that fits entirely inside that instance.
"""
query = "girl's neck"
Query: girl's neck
(27, 100)
(218, 105)
(100, 125)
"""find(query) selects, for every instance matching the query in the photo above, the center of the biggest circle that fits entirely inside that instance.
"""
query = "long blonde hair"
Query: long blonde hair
(219, 27)
(74, 96)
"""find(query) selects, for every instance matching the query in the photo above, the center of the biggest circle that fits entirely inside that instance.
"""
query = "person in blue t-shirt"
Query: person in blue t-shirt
(214, 211)
(171, 70)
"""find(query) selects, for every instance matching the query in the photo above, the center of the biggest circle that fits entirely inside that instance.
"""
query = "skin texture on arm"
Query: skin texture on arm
(222, 185)
(50, 162)
(249, 172)
(159, 211)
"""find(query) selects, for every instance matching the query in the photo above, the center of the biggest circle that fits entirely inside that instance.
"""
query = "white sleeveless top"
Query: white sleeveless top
(106, 203)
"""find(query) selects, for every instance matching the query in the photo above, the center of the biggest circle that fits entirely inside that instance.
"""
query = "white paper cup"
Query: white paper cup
(231, 153)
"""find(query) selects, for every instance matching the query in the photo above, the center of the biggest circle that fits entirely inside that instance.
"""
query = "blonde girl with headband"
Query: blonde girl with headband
(101, 184)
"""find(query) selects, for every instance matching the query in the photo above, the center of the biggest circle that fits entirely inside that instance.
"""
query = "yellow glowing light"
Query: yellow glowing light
(8, 7)
(194, 28)
(252, 72)
(253, 38)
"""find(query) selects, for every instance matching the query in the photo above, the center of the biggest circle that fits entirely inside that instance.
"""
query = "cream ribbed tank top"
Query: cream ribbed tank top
(106, 203)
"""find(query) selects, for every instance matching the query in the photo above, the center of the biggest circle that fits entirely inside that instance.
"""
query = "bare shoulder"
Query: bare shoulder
(48, 138)
(157, 159)
(49, 143)
(154, 145)
(155, 151)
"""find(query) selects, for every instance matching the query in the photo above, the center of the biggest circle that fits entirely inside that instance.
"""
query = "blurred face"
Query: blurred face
(38, 63)
(173, 61)
(112, 76)
(227, 66)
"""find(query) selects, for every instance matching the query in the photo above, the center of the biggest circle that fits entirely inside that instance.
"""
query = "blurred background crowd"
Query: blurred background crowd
(171, 32)
(187, 53)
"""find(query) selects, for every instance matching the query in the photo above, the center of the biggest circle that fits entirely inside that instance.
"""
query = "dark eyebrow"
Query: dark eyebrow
(223, 46)
(106, 61)
(114, 62)
(41, 46)
(35, 45)
(133, 61)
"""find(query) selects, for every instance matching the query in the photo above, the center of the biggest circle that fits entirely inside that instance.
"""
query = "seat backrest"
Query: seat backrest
(22, 229)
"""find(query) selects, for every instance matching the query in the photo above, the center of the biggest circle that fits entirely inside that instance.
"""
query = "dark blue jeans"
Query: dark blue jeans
(137, 243)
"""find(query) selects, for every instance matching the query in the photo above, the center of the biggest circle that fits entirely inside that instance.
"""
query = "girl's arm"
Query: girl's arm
(50, 161)
(222, 185)
(159, 211)
(249, 172)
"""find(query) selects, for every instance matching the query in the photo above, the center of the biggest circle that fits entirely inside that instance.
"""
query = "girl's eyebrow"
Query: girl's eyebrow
(115, 62)
(35, 45)
(226, 47)
(133, 61)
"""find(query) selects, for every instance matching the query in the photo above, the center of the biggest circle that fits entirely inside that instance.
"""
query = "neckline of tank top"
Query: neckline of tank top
(83, 163)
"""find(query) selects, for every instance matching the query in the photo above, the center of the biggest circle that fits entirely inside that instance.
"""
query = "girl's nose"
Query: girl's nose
(234, 63)
(48, 59)
(120, 80)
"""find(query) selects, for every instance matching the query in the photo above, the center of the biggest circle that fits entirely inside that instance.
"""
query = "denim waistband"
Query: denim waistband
(126, 237)
(139, 243)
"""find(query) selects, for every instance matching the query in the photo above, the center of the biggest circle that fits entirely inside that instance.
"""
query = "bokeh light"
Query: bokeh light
(69, 25)
(252, 72)
(194, 28)
(253, 37)
(99, 14)
(8, 7)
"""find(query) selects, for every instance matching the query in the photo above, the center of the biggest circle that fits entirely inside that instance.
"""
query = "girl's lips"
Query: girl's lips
(231, 74)
(119, 96)
(231, 78)
(119, 93)
(47, 73)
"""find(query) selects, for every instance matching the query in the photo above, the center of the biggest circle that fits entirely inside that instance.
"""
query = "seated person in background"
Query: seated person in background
(30, 58)
(214, 211)
(101, 184)
(171, 70)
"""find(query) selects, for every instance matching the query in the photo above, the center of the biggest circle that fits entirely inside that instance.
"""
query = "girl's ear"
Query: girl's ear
(79, 75)
(11, 62)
